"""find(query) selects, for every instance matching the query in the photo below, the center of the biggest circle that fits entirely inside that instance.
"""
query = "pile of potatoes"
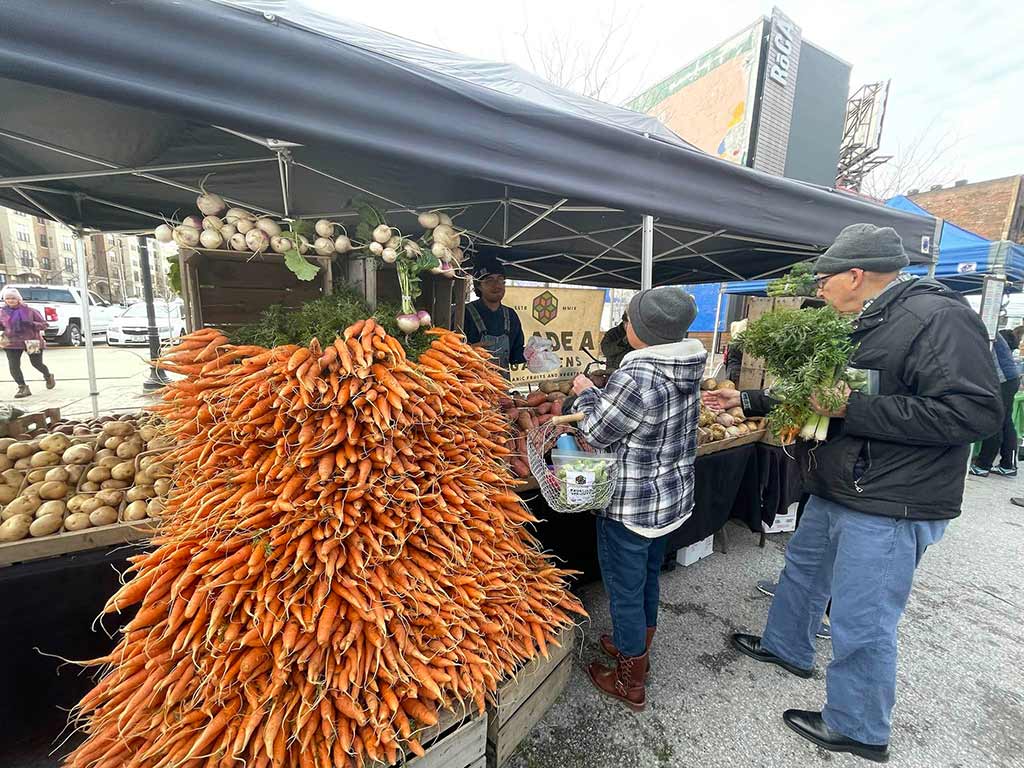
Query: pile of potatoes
(726, 425)
(63, 482)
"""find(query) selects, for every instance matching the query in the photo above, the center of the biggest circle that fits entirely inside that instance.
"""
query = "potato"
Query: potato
(56, 475)
(118, 428)
(19, 451)
(98, 474)
(36, 476)
(155, 508)
(140, 492)
(53, 507)
(160, 442)
(135, 511)
(81, 430)
(123, 471)
(8, 493)
(75, 503)
(23, 464)
(129, 449)
(108, 462)
(5, 463)
(708, 384)
(142, 477)
(148, 433)
(547, 387)
(15, 528)
(110, 496)
(103, 516)
(111, 443)
(79, 521)
(13, 477)
(159, 469)
(89, 487)
(104, 454)
(732, 432)
(75, 472)
(53, 490)
(737, 413)
(23, 505)
(725, 385)
(44, 526)
(116, 485)
(90, 505)
(5, 443)
(55, 443)
(162, 486)
(78, 454)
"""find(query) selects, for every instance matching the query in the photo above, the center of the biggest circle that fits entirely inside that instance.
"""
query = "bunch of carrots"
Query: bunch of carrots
(340, 560)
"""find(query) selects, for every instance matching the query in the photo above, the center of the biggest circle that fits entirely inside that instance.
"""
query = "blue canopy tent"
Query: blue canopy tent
(964, 260)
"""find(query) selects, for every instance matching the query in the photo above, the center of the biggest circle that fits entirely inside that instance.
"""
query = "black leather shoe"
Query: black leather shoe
(750, 645)
(811, 726)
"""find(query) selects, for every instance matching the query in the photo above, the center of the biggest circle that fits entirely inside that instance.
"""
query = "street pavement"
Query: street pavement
(960, 697)
(120, 372)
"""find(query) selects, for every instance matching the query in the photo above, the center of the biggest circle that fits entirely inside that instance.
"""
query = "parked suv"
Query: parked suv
(60, 307)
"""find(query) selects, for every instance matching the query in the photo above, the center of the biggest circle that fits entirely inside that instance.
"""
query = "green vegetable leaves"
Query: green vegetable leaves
(303, 269)
(799, 281)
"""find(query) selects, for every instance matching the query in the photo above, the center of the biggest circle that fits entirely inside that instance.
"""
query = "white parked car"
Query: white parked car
(131, 326)
(60, 307)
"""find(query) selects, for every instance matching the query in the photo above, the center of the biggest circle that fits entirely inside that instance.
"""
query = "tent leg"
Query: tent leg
(156, 378)
(718, 316)
(647, 255)
(83, 290)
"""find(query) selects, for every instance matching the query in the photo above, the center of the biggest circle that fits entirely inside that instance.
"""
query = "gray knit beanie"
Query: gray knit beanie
(661, 315)
(863, 246)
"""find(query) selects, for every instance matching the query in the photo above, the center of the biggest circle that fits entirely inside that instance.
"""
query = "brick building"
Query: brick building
(992, 209)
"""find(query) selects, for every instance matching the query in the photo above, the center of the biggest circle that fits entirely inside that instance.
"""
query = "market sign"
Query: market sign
(569, 317)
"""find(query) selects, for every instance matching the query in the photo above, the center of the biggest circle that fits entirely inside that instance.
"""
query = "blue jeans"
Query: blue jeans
(630, 565)
(866, 564)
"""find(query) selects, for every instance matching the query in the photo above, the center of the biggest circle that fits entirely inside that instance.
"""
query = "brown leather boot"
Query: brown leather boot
(624, 682)
(609, 647)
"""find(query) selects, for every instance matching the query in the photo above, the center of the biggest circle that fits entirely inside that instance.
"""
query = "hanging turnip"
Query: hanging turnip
(457, 255)
(408, 323)
(429, 220)
(228, 231)
(413, 250)
(376, 248)
(394, 242)
(446, 220)
(164, 233)
(193, 221)
(389, 255)
(281, 244)
(271, 227)
(440, 251)
(245, 225)
(342, 244)
(323, 246)
(213, 222)
(209, 203)
(382, 234)
(304, 245)
(424, 318)
(325, 228)
(237, 242)
(444, 234)
(234, 214)
(256, 240)
(186, 235)
(211, 238)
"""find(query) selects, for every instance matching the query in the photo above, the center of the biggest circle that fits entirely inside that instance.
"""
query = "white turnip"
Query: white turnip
(196, 222)
(213, 222)
(228, 231)
(429, 220)
(389, 255)
(413, 250)
(281, 244)
(234, 214)
(209, 203)
(211, 238)
(238, 242)
(186, 235)
(376, 248)
(245, 225)
(271, 227)
(446, 220)
(382, 234)
(164, 234)
(440, 251)
(323, 246)
(256, 240)
(304, 245)
(342, 244)
(408, 323)
(324, 228)
(424, 317)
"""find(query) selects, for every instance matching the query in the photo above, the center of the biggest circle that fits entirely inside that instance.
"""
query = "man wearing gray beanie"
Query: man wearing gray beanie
(647, 415)
(883, 486)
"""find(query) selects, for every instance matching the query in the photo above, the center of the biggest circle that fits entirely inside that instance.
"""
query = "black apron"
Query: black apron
(500, 347)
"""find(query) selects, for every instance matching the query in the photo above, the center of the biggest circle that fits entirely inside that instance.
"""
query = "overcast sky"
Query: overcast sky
(957, 68)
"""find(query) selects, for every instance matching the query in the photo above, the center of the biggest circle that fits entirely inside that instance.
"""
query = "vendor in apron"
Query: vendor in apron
(489, 323)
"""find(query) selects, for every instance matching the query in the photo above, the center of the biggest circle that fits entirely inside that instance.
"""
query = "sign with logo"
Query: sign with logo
(785, 36)
(569, 317)
(992, 303)
(967, 267)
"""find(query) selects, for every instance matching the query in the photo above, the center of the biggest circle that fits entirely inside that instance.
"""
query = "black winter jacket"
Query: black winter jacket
(904, 452)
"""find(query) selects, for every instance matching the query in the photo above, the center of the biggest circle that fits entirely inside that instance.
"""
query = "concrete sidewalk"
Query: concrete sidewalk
(960, 700)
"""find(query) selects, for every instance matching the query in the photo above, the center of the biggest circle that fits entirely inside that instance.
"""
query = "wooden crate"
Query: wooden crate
(750, 378)
(457, 741)
(522, 701)
(23, 426)
(74, 541)
(730, 442)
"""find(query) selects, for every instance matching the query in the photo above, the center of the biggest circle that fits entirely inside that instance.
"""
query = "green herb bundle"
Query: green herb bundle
(807, 351)
(799, 281)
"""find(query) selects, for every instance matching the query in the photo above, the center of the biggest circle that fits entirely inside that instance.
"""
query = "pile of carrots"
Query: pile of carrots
(340, 560)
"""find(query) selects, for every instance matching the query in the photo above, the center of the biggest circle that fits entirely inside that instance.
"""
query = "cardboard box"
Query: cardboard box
(783, 523)
(691, 554)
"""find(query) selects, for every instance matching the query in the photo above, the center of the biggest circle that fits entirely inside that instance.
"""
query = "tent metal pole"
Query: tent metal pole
(647, 254)
(538, 219)
(156, 378)
(602, 253)
(504, 227)
(935, 247)
(588, 238)
(83, 297)
(283, 160)
(718, 317)
(15, 181)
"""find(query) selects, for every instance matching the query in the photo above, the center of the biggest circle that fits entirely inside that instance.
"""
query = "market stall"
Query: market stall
(520, 165)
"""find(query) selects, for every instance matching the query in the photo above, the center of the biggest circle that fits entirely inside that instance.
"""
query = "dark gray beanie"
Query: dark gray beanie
(661, 315)
(864, 246)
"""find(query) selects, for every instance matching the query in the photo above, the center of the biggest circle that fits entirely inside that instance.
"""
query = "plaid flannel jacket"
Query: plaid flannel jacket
(647, 415)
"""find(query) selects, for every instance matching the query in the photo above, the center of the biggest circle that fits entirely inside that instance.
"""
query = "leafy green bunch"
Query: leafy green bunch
(799, 281)
(807, 351)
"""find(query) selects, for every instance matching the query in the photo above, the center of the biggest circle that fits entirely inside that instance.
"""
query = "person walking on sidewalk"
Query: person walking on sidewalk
(1004, 442)
(22, 329)
(883, 487)
(647, 414)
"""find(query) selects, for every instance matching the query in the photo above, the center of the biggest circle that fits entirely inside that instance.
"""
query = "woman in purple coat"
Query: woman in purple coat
(22, 329)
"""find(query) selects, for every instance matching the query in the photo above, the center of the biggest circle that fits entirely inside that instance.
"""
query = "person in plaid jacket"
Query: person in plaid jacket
(647, 414)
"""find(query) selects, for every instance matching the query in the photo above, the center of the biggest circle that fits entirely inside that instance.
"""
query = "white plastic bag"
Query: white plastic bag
(540, 355)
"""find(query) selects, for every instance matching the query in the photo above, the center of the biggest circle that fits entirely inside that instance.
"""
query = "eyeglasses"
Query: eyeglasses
(819, 282)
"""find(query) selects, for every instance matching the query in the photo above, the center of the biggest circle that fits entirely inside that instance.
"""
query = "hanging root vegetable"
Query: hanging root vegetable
(271, 227)
(164, 233)
(323, 246)
(186, 235)
(281, 244)
(429, 220)
(342, 244)
(193, 221)
(211, 238)
(233, 215)
(340, 560)
(237, 242)
(256, 240)
(209, 203)
(213, 222)
(324, 228)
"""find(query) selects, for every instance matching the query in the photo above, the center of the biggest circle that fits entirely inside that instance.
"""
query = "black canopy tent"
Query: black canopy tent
(296, 113)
